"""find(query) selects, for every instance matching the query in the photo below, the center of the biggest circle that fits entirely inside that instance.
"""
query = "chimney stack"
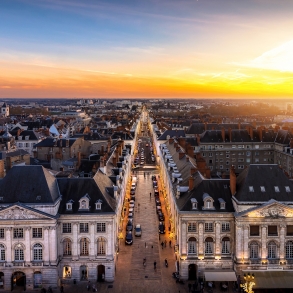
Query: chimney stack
(171, 140)
(175, 144)
(181, 155)
(177, 148)
(232, 180)
(223, 134)
(230, 133)
(198, 139)
(260, 133)
(2, 169)
(192, 170)
(67, 143)
(187, 159)
(291, 143)
(191, 183)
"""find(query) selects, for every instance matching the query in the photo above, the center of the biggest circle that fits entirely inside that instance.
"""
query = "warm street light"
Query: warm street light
(249, 283)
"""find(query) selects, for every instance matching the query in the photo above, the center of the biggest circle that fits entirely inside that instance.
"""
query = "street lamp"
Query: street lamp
(249, 283)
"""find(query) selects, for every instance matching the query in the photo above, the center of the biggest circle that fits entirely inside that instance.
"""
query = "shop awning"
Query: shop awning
(220, 276)
(272, 279)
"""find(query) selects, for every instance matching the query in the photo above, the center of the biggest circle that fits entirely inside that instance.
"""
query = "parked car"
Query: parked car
(129, 226)
(161, 216)
(158, 203)
(161, 228)
(155, 184)
(132, 191)
(158, 208)
(153, 159)
(129, 238)
(131, 210)
(142, 162)
(132, 197)
(154, 177)
(130, 216)
(137, 230)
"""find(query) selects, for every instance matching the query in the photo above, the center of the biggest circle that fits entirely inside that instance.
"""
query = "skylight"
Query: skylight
(251, 189)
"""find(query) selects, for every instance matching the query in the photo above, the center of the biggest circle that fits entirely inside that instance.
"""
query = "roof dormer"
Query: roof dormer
(222, 204)
(99, 204)
(84, 202)
(208, 202)
(69, 205)
(193, 203)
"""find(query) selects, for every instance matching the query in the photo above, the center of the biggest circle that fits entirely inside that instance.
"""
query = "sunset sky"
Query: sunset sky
(146, 49)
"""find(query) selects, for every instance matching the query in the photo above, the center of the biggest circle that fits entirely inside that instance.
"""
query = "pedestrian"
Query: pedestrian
(155, 265)
(165, 242)
(88, 285)
(62, 289)
(150, 194)
(170, 243)
(144, 262)
(162, 244)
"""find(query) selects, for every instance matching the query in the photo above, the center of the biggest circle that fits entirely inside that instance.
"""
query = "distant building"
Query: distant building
(4, 109)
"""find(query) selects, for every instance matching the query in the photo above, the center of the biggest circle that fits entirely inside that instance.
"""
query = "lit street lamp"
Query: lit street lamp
(249, 283)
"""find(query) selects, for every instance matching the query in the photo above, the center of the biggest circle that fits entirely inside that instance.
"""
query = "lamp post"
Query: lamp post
(249, 283)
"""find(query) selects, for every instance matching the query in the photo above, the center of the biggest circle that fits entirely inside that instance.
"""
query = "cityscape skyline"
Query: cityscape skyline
(170, 49)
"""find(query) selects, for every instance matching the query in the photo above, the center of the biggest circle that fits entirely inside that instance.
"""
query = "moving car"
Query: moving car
(142, 162)
(129, 238)
(161, 228)
(137, 230)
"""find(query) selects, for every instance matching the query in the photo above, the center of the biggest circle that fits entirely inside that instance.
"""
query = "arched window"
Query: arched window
(84, 246)
(83, 204)
(2, 252)
(18, 253)
(254, 250)
(272, 250)
(226, 245)
(289, 249)
(37, 252)
(208, 203)
(209, 245)
(192, 245)
(67, 247)
(101, 246)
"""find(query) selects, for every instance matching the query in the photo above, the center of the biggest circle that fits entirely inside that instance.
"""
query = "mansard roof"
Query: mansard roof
(29, 184)
(283, 137)
(50, 142)
(75, 188)
(171, 133)
(267, 176)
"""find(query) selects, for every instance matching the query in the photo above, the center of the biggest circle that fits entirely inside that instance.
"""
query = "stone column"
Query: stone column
(9, 244)
(75, 252)
(27, 241)
(282, 242)
(92, 240)
(183, 246)
(200, 239)
(245, 242)
(218, 239)
(47, 243)
(264, 242)
(110, 236)
(239, 242)
(53, 245)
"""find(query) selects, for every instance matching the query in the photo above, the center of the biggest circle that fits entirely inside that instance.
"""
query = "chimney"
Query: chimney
(78, 159)
(291, 143)
(205, 126)
(223, 175)
(260, 133)
(102, 149)
(198, 139)
(223, 134)
(191, 183)
(192, 170)
(251, 132)
(254, 124)
(177, 148)
(187, 159)
(67, 143)
(175, 144)
(239, 125)
(171, 140)
(181, 155)
(102, 162)
(181, 141)
(232, 180)
(2, 169)
(190, 151)
(114, 161)
(230, 133)
(61, 169)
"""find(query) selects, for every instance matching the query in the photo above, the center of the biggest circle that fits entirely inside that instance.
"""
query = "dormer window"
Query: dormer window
(69, 205)
(222, 204)
(251, 189)
(277, 189)
(208, 201)
(262, 189)
(287, 188)
(99, 204)
(194, 203)
(84, 202)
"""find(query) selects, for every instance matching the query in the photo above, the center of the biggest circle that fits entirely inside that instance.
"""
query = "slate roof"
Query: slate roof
(268, 176)
(50, 142)
(25, 183)
(215, 188)
(122, 135)
(30, 133)
(283, 137)
(171, 133)
(75, 188)
(199, 128)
